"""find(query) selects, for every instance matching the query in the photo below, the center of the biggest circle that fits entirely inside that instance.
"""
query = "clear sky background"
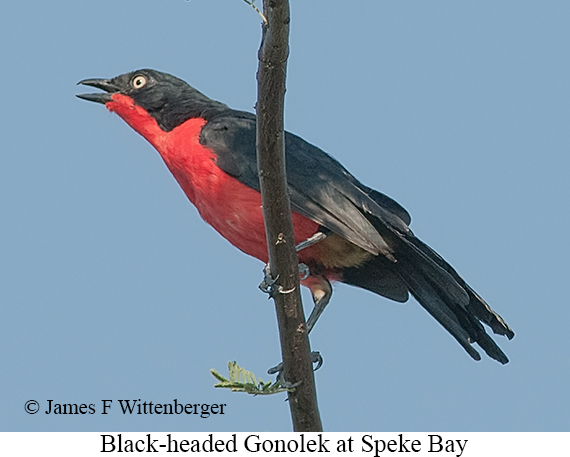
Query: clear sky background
(112, 287)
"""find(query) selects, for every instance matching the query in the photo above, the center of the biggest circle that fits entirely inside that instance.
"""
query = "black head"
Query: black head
(168, 99)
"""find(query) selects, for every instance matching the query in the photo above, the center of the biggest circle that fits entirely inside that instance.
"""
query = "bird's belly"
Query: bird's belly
(239, 219)
(235, 211)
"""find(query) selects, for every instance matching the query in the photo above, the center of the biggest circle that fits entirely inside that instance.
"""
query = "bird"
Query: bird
(345, 231)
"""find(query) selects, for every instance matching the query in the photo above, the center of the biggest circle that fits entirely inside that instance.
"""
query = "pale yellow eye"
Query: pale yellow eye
(138, 82)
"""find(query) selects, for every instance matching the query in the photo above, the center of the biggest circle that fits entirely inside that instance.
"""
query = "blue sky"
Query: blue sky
(112, 287)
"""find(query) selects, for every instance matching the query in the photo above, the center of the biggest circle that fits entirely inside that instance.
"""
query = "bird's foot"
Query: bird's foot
(316, 358)
(269, 284)
(304, 272)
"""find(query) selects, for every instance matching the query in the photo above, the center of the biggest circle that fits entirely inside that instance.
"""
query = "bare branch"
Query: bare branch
(283, 261)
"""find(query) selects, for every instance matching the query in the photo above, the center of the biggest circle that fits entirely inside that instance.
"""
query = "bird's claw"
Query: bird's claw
(316, 358)
(304, 272)
(269, 284)
(276, 369)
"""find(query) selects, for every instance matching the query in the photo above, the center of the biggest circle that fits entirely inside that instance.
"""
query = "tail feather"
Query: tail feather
(415, 258)
(430, 299)
(477, 305)
(456, 319)
(444, 294)
(483, 311)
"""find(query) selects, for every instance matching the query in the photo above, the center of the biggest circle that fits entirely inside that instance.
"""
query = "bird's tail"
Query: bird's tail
(436, 285)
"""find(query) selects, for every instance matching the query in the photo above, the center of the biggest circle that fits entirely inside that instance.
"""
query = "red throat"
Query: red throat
(136, 116)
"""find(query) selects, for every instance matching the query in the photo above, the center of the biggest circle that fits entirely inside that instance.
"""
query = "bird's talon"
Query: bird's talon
(287, 384)
(304, 272)
(317, 358)
(276, 369)
(269, 284)
(279, 371)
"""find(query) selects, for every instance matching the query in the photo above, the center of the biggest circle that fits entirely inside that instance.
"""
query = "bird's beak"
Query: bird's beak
(104, 84)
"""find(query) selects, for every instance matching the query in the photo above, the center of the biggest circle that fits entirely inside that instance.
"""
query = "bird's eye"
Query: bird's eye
(138, 82)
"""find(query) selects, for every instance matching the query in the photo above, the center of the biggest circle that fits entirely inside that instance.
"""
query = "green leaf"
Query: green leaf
(242, 380)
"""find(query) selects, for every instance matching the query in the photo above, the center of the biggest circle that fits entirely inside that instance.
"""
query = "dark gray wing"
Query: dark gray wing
(320, 187)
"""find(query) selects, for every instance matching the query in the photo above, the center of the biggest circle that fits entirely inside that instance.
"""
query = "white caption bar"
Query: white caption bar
(434, 444)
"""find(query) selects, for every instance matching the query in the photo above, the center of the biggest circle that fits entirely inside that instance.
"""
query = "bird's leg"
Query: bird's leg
(314, 239)
(321, 291)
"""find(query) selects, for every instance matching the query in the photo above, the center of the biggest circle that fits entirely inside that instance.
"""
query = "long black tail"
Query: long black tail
(437, 287)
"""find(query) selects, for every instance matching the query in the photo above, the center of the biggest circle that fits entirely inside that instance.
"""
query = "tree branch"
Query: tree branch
(283, 261)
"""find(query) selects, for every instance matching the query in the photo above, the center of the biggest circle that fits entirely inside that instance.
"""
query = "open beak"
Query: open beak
(104, 84)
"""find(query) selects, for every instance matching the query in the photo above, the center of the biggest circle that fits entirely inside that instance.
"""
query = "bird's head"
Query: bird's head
(167, 99)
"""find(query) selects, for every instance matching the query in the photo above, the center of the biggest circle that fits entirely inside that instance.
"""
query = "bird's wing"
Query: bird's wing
(320, 187)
